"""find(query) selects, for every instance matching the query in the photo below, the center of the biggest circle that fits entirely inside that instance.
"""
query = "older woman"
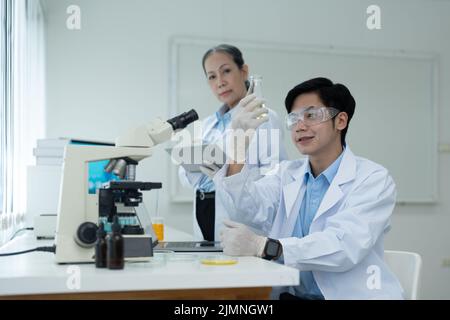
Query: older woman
(227, 75)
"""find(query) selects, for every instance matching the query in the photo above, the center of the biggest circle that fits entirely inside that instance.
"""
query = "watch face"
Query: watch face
(272, 248)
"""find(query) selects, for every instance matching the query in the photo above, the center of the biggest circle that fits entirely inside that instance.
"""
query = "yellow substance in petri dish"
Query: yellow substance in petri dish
(218, 262)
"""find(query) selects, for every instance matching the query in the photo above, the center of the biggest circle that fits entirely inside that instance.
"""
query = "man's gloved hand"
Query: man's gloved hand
(209, 168)
(238, 240)
(249, 113)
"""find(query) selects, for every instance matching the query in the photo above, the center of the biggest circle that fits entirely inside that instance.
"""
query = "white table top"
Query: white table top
(37, 273)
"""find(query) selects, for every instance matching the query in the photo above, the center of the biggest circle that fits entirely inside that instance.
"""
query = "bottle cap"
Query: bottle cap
(101, 233)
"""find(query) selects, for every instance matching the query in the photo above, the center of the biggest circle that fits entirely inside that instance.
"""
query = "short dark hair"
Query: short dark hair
(232, 51)
(334, 95)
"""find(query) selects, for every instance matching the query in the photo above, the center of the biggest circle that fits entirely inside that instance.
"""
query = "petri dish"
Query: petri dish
(218, 260)
(163, 252)
(182, 257)
(157, 260)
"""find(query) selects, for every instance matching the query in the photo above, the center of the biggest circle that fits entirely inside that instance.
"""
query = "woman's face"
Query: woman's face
(225, 79)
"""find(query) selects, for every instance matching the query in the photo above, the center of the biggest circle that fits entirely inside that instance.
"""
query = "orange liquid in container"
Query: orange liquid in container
(159, 231)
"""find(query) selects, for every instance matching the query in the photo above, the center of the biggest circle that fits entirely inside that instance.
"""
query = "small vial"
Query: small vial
(100, 247)
(115, 247)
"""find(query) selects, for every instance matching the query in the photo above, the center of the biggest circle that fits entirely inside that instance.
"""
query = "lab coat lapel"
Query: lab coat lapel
(345, 173)
(332, 196)
(291, 191)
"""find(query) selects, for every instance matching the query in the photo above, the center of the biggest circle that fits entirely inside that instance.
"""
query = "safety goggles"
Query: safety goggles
(310, 116)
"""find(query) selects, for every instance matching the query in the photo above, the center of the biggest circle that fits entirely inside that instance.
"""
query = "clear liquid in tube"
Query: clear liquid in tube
(256, 88)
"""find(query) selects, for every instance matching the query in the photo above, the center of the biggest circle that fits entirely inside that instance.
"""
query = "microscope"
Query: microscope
(80, 211)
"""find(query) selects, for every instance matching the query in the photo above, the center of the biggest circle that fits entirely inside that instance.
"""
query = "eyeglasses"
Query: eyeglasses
(310, 116)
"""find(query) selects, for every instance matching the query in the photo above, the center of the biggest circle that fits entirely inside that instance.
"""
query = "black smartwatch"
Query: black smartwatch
(272, 250)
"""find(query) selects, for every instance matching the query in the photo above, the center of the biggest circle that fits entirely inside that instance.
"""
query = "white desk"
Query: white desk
(36, 275)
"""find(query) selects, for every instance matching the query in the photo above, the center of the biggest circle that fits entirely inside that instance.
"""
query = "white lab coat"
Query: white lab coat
(344, 249)
(261, 145)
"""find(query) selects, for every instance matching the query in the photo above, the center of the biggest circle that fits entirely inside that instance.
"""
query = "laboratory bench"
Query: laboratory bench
(167, 275)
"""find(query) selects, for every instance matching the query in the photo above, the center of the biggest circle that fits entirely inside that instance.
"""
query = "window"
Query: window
(21, 106)
(3, 81)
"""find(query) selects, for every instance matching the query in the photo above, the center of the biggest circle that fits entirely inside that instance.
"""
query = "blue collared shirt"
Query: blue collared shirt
(222, 120)
(315, 191)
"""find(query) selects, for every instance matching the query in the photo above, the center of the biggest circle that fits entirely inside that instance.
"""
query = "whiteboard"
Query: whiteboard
(395, 120)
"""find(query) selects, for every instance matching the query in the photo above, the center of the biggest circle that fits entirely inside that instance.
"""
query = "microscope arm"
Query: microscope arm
(155, 132)
(146, 136)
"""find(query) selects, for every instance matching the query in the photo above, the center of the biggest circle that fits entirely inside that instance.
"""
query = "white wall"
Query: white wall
(112, 74)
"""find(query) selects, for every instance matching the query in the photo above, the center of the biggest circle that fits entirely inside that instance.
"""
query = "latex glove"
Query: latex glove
(209, 168)
(249, 114)
(238, 240)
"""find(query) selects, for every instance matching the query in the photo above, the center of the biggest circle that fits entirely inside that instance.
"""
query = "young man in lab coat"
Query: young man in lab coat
(325, 215)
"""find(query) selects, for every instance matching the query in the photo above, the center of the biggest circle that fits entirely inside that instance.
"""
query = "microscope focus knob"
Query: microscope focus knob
(86, 234)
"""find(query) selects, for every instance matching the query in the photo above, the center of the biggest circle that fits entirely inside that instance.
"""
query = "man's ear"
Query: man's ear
(341, 121)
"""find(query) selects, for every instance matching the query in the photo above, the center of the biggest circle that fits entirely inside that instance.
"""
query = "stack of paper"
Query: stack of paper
(50, 151)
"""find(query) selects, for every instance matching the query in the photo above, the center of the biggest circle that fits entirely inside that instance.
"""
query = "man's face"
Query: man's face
(316, 139)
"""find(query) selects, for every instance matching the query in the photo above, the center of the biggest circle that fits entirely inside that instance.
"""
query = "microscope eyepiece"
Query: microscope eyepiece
(184, 119)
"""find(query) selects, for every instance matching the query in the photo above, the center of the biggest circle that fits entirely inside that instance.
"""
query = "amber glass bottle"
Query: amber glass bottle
(115, 256)
(100, 247)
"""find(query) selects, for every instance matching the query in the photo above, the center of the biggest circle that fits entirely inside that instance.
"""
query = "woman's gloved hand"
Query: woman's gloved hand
(248, 116)
(238, 240)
